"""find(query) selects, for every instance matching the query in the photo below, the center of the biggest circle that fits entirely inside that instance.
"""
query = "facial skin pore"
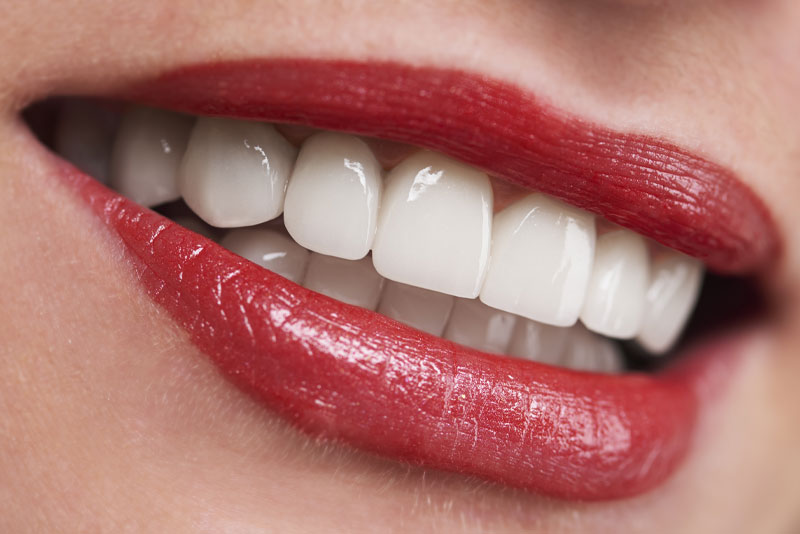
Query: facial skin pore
(113, 420)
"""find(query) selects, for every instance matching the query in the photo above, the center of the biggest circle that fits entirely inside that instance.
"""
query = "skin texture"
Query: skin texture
(114, 421)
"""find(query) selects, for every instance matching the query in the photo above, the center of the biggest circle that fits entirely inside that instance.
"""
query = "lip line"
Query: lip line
(654, 188)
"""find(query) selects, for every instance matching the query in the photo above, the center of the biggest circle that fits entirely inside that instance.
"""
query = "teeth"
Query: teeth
(538, 342)
(674, 288)
(269, 249)
(588, 352)
(234, 173)
(615, 300)
(424, 310)
(474, 324)
(435, 225)
(354, 282)
(333, 196)
(147, 153)
(542, 254)
(190, 222)
(84, 135)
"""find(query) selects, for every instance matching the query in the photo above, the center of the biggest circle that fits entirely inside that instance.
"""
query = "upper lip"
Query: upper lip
(350, 374)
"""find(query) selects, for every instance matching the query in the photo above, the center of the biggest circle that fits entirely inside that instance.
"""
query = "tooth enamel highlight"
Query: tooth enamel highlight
(615, 300)
(84, 136)
(434, 226)
(542, 253)
(538, 342)
(235, 173)
(355, 282)
(269, 249)
(423, 309)
(147, 152)
(333, 196)
(586, 351)
(474, 324)
(674, 288)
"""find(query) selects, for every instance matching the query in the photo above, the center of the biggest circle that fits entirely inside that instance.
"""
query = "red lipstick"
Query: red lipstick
(352, 375)
(659, 190)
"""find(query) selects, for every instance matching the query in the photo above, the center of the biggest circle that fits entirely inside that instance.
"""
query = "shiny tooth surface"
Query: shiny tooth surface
(615, 300)
(333, 196)
(84, 136)
(675, 282)
(474, 324)
(147, 152)
(270, 249)
(423, 309)
(434, 225)
(542, 254)
(538, 342)
(235, 172)
(355, 282)
(586, 351)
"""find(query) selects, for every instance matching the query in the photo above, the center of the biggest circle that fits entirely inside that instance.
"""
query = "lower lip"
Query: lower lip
(352, 375)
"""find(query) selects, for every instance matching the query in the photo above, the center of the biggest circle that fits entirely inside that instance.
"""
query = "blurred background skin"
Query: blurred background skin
(113, 421)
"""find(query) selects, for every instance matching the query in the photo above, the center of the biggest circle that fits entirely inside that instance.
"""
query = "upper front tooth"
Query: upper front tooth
(674, 288)
(542, 253)
(84, 136)
(615, 301)
(435, 225)
(423, 309)
(147, 152)
(234, 172)
(474, 324)
(333, 197)
(269, 249)
(355, 282)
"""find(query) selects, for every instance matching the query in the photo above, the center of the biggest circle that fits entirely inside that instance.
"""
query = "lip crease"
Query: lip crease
(353, 375)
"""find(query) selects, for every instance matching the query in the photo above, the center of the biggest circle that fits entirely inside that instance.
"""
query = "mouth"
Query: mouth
(428, 265)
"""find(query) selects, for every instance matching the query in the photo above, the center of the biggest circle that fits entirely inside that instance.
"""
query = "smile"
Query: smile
(426, 264)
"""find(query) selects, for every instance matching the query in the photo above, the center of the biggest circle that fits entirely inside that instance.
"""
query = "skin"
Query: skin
(113, 421)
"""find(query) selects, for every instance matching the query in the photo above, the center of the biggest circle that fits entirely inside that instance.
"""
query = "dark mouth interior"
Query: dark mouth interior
(726, 303)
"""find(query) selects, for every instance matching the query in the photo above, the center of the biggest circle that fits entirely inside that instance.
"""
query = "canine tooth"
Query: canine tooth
(147, 152)
(615, 301)
(333, 196)
(674, 287)
(235, 172)
(586, 351)
(352, 281)
(270, 249)
(423, 309)
(538, 342)
(474, 324)
(84, 136)
(542, 252)
(435, 225)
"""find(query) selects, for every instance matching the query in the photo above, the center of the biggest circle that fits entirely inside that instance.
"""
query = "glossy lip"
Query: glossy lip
(657, 189)
(352, 375)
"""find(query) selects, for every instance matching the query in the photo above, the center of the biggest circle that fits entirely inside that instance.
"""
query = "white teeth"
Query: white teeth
(474, 324)
(354, 282)
(234, 173)
(538, 342)
(542, 253)
(586, 351)
(190, 222)
(84, 136)
(269, 249)
(424, 310)
(333, 196)
(146, 155)
(435, 225)
(674, 288)
(615, 300)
